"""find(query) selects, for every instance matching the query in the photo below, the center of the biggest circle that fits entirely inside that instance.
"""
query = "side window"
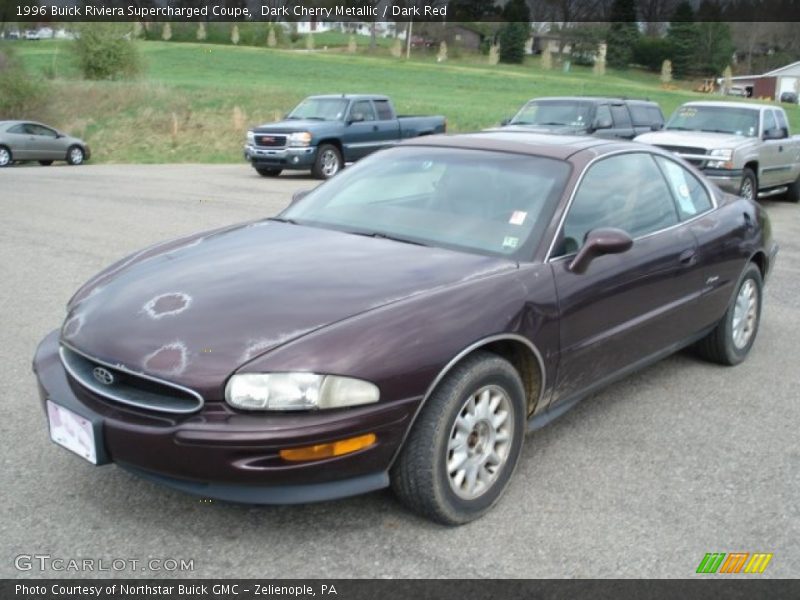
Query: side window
(603, 114)
(769, 121)
(780, 118)
(656, 117)
(362, 111)
(621, 116)
(691, 196)
(627, 192)
(18, 129)
(641, 115)
(384, 110)
(40, 130)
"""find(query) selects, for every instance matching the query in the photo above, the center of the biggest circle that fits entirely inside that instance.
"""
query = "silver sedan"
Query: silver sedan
(28, 140)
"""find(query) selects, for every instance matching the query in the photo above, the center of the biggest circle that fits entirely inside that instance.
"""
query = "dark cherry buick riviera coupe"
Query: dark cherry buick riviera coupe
(405, 323)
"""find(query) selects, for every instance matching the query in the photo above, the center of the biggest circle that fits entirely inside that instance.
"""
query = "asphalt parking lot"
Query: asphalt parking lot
(641, 480)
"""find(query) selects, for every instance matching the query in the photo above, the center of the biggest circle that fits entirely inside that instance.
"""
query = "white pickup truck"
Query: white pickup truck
(744, 148)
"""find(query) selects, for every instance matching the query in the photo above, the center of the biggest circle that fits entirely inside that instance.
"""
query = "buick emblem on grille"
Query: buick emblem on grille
(103, 375)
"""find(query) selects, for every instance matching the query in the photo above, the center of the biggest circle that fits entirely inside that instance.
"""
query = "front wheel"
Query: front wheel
(749, 186)
(268, 171)
(460, 455)
(5, 156)
(75, 155)
(328, 162)
(730, 341)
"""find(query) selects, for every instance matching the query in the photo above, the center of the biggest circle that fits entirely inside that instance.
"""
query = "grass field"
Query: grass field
(194, 102)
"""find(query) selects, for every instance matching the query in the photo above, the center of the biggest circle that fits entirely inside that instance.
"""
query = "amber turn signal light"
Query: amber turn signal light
(329, 449)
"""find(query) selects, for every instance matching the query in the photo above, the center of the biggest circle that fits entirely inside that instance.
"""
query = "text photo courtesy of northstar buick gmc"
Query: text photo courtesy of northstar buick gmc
(322, 133)
(405, 323)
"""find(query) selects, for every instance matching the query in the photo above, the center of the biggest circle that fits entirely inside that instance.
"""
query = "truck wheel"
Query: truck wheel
(328, 162)
(462, 450)
(749, 187)
(268, 171)
(793, 193)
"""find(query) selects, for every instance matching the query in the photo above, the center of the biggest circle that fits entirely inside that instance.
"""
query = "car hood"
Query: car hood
(692, 139)
(560, 129)
(194, 311)
(292, 125)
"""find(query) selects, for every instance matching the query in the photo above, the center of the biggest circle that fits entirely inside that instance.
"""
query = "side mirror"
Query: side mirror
(355, 119)
(774, 134)
(656, 127)
(299, 195)
(599, 242)
(604, 123)
(505, 121)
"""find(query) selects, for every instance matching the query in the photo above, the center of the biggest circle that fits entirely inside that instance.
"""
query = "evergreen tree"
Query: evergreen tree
(623, 34)
(512, 42)
(714, 43)
(517, 11)
(683, 38)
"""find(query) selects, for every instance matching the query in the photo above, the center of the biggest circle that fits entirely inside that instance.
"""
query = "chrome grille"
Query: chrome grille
(119, 384)
(269, 140)
(683, 150)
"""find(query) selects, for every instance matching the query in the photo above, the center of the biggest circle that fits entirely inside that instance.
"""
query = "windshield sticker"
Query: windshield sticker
(510, 241)
(518, 217)
(688, 112)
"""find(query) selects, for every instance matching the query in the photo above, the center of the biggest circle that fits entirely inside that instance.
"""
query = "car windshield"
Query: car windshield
(736, 121)
(322, 109)
(553, 113)
(478, 201)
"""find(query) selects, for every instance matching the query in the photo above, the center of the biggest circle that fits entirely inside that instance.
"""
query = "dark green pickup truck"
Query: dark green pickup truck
(322, 133)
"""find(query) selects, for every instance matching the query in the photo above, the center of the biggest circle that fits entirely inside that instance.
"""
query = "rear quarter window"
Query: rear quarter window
(645, 116)
(384, 110)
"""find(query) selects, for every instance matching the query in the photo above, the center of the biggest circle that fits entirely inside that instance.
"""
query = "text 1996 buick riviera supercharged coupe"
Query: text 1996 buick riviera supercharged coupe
(405, 323)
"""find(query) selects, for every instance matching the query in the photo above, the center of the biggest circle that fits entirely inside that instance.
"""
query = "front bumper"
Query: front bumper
(282, 158)
(727, 180)
(220, 453)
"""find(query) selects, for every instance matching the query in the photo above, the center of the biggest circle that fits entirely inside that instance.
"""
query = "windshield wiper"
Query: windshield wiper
(282, 220)
(718, 131)
(674, 128)
(552, 123)
(384, 236)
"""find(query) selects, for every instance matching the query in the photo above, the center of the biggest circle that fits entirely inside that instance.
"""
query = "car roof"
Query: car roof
(522, 141)
(352, 96)
(722, 104)
(595, 99)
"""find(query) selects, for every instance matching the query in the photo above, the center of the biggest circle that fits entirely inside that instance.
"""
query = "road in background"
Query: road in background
(641, 480)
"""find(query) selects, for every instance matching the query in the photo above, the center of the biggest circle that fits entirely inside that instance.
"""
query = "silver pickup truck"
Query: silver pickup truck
(744, 148)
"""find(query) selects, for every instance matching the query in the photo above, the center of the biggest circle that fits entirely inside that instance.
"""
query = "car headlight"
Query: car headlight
(251, 138)
(297, 391)
(301, 138)
(723, 156)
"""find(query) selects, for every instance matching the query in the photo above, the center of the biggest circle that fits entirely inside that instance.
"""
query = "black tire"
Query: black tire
(75, 155)
(793, 193)
(749, 186)
(420, 476)
(268, 171)
(6, 158)
(328, 162)
(45, 163)
(720, 346)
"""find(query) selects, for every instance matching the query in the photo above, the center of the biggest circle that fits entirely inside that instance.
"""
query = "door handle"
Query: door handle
(688, 257)
(374, 128)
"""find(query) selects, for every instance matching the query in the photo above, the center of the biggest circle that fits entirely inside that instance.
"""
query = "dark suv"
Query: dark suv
(577, 115)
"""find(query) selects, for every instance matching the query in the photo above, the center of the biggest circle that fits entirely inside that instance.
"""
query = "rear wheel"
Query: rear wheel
(793, 193)
(749, 186)
(45, 163)
(460, 455)
(75, 155)
(5, 156)
(731, 340)
(328, 162)
(268, 171)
